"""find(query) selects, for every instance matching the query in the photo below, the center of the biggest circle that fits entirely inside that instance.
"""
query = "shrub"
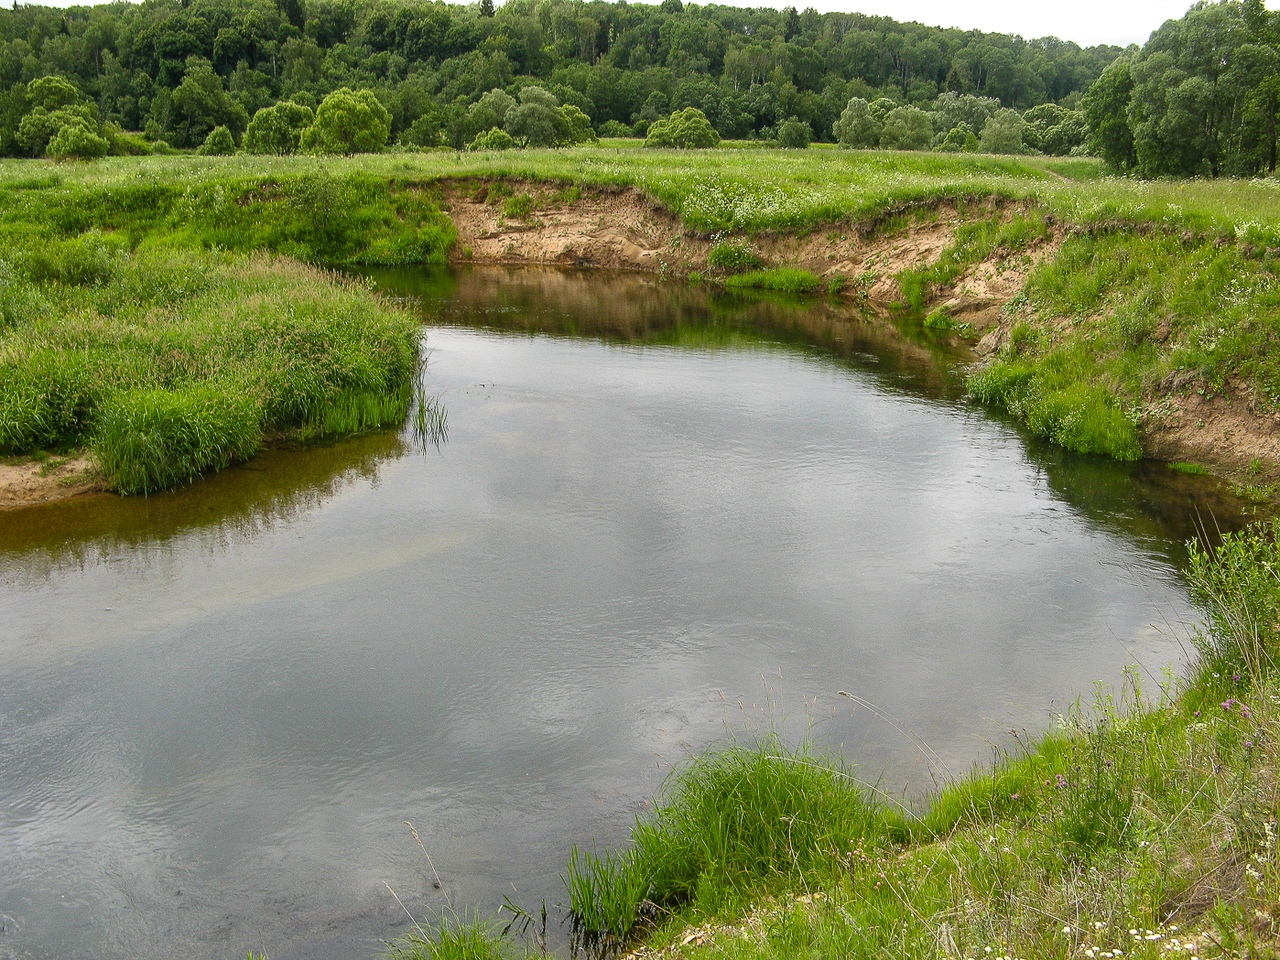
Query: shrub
(348, 121)
(794, 134)
(493, 139)
(219, 143)
(730, 256)
(278, 129)
(685, 129)
(77, 140)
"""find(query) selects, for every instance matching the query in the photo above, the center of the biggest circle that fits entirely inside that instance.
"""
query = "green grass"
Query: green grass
(168, 364)
(780, 280)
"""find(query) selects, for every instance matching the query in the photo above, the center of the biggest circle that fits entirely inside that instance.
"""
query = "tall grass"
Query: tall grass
(169, 364)
(726, 820)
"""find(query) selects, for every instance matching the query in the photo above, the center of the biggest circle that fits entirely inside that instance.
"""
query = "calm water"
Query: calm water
(659, 517)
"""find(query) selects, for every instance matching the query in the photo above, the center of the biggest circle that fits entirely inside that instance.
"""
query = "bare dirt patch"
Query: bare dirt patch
(22, 484)
(1225, 432)
(617, 229)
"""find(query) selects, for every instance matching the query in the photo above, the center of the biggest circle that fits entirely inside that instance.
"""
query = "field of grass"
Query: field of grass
(1144, 825)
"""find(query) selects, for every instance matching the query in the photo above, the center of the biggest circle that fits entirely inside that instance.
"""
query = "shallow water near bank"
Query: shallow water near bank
(661, 516)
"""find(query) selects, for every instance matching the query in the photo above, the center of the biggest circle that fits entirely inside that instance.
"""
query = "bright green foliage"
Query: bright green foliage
(783, 280)
(347, 122)
(77, 140)
(278, 129)
(794, 134)
(686, 129)
(1053, 129)
(959, 139)
(577, 126)
(493, 139)
(52, 93)
(730, 256)
(728, 818)
(1003, 133)
(1059, 399)
(219, 143)
(858, 127)
(1238, 586)
(907, 128)
(152, 439)
(456, 939)
(40, 125)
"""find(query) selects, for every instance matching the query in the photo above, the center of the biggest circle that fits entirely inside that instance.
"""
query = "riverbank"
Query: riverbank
(1111, 317)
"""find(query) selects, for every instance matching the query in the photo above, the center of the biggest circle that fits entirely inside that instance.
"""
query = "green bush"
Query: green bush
(730, 256)
(685, 129)
(219, 143)
(494, 138)
(77, 141)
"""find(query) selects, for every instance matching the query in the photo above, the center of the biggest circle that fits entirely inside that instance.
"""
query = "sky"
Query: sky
(1087, 22)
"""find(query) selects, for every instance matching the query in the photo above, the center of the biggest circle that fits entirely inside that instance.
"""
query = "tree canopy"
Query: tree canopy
(180, 68)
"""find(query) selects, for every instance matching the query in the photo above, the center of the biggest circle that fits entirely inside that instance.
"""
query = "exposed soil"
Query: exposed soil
(22, 484)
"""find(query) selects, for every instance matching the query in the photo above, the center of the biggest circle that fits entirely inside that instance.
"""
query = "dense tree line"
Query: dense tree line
(1200, 99)
(179, 69)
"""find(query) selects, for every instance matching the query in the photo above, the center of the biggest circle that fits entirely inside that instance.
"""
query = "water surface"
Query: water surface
(660, 517)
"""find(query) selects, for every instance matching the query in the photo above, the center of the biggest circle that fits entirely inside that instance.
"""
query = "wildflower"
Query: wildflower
(1228, 703)
(1060, 781)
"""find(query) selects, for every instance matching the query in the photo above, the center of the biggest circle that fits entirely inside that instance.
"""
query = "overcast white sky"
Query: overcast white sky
(1086, 22)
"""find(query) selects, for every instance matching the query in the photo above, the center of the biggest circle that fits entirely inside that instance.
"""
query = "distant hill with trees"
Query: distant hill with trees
(178, 69)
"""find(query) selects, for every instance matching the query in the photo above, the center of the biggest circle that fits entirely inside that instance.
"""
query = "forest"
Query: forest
(177, 69)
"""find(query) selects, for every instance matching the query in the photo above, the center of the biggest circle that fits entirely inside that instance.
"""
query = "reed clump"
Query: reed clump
(168, 364)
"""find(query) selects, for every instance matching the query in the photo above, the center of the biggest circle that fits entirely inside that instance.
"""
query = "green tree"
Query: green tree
(685, 129)
(219, 143)
(199, 104)
(278, 129)
(537, 119)
(40, 125)
(577, 125)
(1192, 87)
(959, 139)
(1106, 117)
(794, 134)
(78, 140)
(348, 121)
(857, 126)
(1003, 133)
(493, 139)
(907, 128)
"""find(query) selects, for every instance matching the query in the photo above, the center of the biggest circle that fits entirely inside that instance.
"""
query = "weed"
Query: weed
(518, 207)
(1190, 469)
(783, 280)
(733, 257)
